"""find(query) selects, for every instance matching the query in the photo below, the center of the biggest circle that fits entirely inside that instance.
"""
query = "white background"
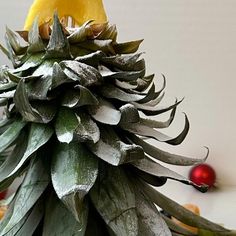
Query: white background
(192, 42)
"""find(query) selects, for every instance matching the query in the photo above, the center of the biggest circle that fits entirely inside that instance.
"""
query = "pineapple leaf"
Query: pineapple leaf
(32, 62)
(80, 34)
(105, 112)
(35, 42)
(105, 46)
(153, 168)
(150, 221)
(33, 220)
(8, 95)
(109, 32)
(177, 228)
(5, 51)
(58, 46)
(153, 111)
(91, 59)
(163, 156)
(160, 124)
(39, 113)
(111, 91)
(86, 75)
(126, 76)
(78, 97)
(58, 76)
(7, 86)
(114, 199)
(145, 82)
(129, 115)
(34, 184)
(10, 135)
(122, 62)
(74, 172)
(179, 211)
(112, 150)
(87, 129)
(65, 125)
(55, 209)
(13, 39)
(15, 78)
(11, 162)
(39, 135)
(128, 47)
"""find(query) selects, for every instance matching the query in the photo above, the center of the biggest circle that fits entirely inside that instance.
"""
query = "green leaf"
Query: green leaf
(143, 130)
(178, 211)
(81, 33)
(153, 111)
(105, 112)
(105, 46)
(111, 91)
(7, 86)
(112, 150)
(35, 42)
(38, 89)
(5, 51)
(153, 168)
(10, 135)
(58, 45)
(78, 97)
(126, 48)
(177, 228)
(129, 114)
(34, 184)
(114, 199)
(74, 172)
(150, 221)
(13, 39)
(32, 62)
(91, 59)
(109, 32)
(87, 129)
(32, 220)
(39, 135)
(126, 76)
(66, 124)
(122, 62)
(65, 223)
(8, 95)
(11, 162)
(15, 78)
(160, 124)
(163, 156)
(85, 74)
(144, 83)
(39, 113)
(58, 76)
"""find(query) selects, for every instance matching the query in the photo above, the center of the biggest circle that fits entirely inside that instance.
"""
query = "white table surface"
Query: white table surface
(217, 205)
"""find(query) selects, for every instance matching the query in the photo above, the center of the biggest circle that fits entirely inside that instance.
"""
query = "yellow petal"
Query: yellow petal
(80, 10)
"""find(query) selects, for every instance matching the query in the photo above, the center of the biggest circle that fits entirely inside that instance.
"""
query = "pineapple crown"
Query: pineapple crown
(78, 112)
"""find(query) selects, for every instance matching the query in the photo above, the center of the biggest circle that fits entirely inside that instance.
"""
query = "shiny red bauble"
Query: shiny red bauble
(203, 174)
(3, 195)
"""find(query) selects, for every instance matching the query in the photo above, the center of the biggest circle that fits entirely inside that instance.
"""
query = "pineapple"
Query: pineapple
(78, 112)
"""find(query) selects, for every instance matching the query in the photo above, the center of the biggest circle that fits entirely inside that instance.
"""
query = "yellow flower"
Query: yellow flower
(80, 10)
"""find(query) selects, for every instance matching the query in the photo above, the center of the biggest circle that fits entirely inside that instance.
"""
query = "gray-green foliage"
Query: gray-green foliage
(77, 108)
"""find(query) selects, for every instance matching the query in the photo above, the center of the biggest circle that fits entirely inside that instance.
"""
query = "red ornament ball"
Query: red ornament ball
(3, 195)
(203, 174)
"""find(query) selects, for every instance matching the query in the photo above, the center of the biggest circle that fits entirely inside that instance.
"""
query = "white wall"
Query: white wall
(192, 42)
